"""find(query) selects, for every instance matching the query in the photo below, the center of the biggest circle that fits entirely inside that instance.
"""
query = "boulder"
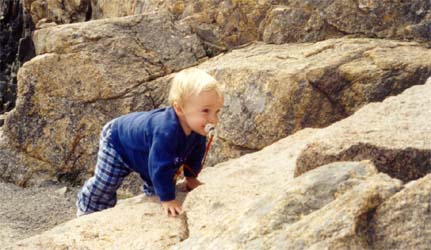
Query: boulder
(224, 25)
(256, 202)
(403, 221)
(394, 134)
(318, 20)
(137, 223)
(83, 77)
(259, 214)
(60, 12)
(273, 91)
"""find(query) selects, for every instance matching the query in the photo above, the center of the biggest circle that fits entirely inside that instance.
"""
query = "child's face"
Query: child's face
(199, 110)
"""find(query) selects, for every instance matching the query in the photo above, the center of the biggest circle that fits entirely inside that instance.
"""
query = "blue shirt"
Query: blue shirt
(154, 144)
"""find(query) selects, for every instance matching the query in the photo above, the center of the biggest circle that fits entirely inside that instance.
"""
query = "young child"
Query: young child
(157, 144)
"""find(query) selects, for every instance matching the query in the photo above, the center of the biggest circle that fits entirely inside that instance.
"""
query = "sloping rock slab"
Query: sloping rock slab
(404, 220)
(394, 134)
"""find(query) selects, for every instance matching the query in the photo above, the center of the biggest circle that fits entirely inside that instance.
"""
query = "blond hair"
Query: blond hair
(190, 82)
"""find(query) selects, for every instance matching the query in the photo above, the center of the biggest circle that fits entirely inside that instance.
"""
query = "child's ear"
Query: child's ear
(178, 108)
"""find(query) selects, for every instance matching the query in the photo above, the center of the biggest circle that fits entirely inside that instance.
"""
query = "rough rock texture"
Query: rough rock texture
(268, 212)
(14, 165)
(77, 84)
(83, 76)
(60, 12)
(139, 224)
(406, 215)
(115, 8)
(395, 134)
(225, 24)
(274, 91)
(315, 20)
(255, 202)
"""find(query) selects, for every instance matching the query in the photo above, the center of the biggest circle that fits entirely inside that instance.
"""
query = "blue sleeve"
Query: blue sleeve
(161, 166)
(194, 161)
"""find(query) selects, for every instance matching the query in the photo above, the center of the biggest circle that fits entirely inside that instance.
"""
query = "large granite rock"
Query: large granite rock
(274, 91)
(138, 223)
(407, 216)
(395, 134)
(82, 77)
(225, 24)
(78, 83)
(60, 12)
(256, 202)
(316, 20)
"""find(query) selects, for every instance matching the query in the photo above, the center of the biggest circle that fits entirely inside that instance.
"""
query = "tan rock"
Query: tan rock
(254, 202)
(60, 12)
(317, 20)
(394, 134)
(82, 77)
(271, 90)
(118, 8)
(403, 221)
(341, 224)
(223, 25)
(258, 209)
(138, 223)
(274, 91)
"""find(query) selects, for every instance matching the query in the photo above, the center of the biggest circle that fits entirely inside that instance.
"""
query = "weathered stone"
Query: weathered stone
(254, 202)
(394, 134)
(14, 166)
(341, 224)
(83, 76)
(317, 20)
(404, 220)
(137, 223)
(265, 208)
(118, 8)
(60, 12)
(274, 91)
(223, 25)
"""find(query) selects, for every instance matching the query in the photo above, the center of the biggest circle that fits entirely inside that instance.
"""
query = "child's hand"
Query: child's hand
(190, 183)
(172, 208)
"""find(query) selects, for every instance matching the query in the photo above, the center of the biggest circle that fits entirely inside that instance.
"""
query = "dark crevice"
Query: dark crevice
(404, 164)
(365, 229)
(16, 47)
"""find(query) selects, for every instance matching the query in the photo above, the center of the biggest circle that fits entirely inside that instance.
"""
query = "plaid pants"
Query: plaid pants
(100, 191)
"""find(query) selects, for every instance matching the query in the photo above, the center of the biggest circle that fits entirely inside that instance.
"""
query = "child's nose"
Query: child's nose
(213, 119)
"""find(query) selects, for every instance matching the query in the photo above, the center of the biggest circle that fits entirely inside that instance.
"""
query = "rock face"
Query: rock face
(90, 77)
(315, 20)
(256, 202)
(399, 144)
(274, 91)
(226, 24)
(407, 215)
(142, 226)
(83, 77)
(60, 12)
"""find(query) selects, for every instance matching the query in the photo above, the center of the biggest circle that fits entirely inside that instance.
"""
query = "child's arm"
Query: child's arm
(160, 165)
